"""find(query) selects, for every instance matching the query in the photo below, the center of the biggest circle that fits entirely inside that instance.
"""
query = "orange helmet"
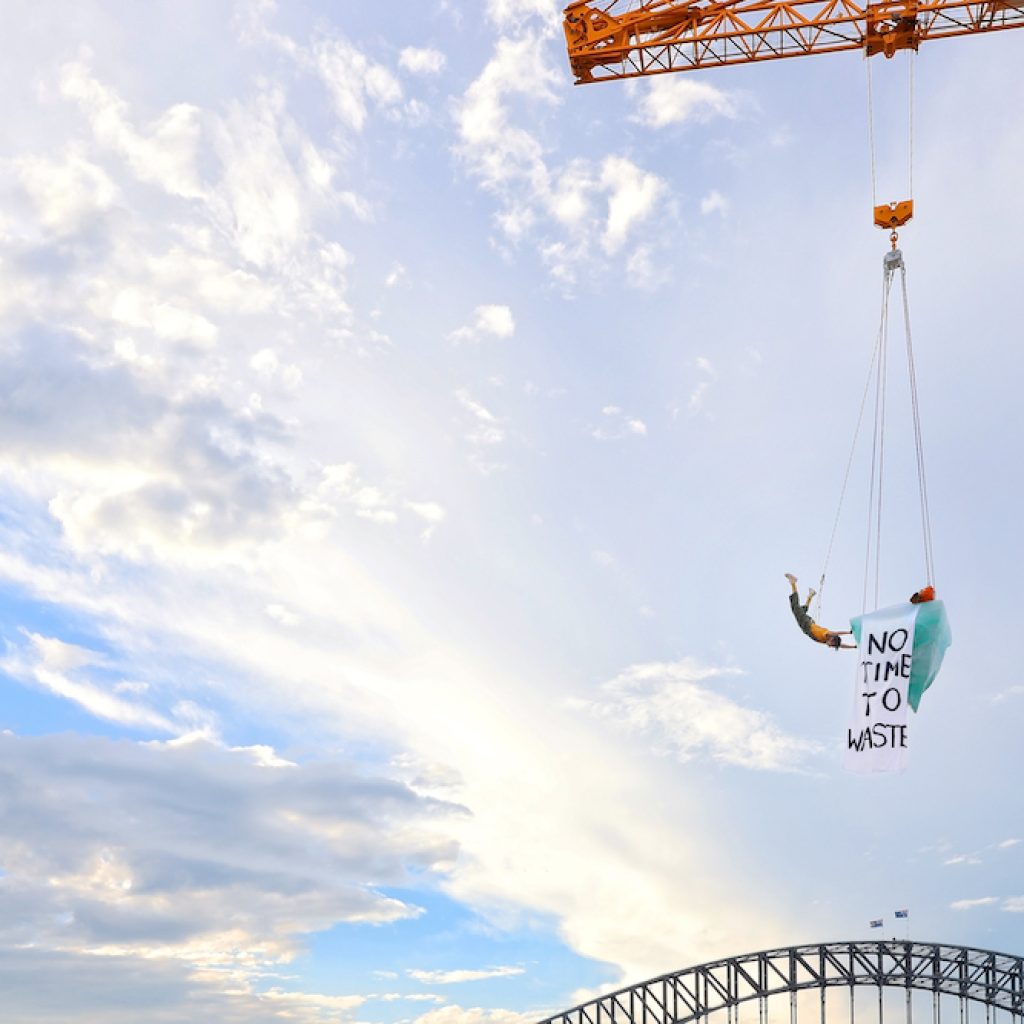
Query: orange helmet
(924, 594)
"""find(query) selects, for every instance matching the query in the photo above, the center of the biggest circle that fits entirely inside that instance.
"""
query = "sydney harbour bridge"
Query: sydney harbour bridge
(829, 983)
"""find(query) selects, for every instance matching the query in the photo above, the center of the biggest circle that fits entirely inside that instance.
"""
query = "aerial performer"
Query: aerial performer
(830, 637)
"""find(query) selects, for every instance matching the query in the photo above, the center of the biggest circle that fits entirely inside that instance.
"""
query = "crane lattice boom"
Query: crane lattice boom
(675, 35)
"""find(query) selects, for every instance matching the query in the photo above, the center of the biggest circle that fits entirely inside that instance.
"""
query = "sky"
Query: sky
(401, 450)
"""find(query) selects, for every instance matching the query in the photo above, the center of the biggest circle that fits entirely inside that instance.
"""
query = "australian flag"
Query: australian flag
(903, 913)
(876, 924)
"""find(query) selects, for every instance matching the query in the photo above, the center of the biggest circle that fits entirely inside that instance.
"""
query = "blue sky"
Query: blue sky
(402, 452)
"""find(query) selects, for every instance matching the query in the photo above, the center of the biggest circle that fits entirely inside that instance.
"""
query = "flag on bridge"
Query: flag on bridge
(876, 924)
(903, 913)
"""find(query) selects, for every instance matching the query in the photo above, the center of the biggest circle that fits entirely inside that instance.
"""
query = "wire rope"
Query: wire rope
(911, 65)
(846, 473)
(874, 524)
(871, 134)
(883, 375)
(922, 482)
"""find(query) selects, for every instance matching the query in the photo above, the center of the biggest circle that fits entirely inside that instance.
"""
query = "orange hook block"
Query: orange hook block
(894, 215)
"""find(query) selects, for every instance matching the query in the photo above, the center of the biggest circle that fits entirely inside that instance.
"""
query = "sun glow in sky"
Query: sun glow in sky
(402, 450)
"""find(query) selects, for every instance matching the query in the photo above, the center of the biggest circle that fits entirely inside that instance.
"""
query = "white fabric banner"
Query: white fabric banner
(877, 738)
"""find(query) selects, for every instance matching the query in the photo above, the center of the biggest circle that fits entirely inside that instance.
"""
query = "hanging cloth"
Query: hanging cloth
(932, 636)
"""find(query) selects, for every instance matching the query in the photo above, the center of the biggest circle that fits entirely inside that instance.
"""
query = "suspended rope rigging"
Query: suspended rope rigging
(890, 215)
(874, 531)
(922, 482)
(871, 134)
(878, 377)
(846, 472)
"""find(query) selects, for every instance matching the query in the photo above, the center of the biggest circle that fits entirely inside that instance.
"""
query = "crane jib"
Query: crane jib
(666, 35)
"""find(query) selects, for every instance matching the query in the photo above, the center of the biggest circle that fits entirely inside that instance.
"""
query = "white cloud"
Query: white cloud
(495, 321)
(632, 195)
(695, 402)
(201, 854)
(714, 202)
(411, 997)
(341, 484)
(54, 665)
(982, 901)
(181, 875)
(476, 1014)
(962, 858)
(1008, 694)
(568, 211)
(643, 269)
(279, 613)
(675, 99)
(68, 193)
(268, 365)
(164, 155)
(430, 512)
(510, 13)
(353, 80)
(140, 307)
(170, 990)
(1005, 844)
(618, 425)
(453, 977)
(422, 61)
(264, 202)
(670, 706)
(1013, 904)
(487, 430)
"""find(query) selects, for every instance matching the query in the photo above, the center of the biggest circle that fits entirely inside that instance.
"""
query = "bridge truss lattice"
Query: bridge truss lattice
(978, 976)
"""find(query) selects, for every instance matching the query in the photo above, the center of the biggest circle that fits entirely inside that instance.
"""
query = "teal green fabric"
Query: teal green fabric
(932, 636)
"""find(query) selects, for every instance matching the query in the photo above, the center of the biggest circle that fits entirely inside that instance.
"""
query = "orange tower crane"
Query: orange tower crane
(628, 40)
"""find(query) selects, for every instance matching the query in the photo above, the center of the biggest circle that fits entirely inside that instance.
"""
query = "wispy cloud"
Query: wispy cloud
(571, 209)
(668, 100)
(1008, 694)
(714, 202)
(453, 977)
(698, 395)
(617, 425)
(63, 669)
(250, 854)
(981, 901)
(487, 430)
(476, 1014)
(488, 321)
(670, 705)
(422, 60)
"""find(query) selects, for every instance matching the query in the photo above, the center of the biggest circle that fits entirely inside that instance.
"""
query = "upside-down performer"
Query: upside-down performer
(830, 637)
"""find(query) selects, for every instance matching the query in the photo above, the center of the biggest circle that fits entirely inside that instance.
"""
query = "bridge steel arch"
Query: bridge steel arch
(979, 975)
